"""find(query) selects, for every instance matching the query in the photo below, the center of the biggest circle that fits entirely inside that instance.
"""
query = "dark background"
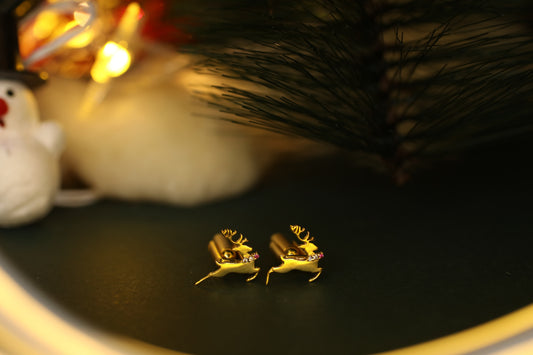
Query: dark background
(449, 250)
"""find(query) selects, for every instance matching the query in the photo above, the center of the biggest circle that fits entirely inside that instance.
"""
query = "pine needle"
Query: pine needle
(403, 79)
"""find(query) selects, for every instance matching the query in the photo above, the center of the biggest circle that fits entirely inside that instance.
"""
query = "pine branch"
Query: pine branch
(402, 79)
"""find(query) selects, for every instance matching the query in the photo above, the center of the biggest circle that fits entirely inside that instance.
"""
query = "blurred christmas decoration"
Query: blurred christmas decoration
(52, 31)
(63, 24)
(72, 38)
(77, 38)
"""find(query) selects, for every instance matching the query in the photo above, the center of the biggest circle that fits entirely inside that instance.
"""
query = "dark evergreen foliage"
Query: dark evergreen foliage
(404, 80)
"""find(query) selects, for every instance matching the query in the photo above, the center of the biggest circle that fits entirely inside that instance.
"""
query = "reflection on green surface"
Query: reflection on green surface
(403, 265)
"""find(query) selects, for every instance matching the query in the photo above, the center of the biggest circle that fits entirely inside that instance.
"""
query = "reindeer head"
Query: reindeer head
(308, 246)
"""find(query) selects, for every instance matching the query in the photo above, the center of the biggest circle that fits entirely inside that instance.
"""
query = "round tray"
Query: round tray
(403, 265)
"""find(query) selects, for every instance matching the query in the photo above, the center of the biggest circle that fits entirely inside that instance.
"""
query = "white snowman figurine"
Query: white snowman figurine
(29, 156)
(29, 150)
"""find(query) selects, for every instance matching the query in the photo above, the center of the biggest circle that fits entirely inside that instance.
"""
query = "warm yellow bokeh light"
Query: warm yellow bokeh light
(130, 20)
(45, 24)
(120, 59)
(112, 60)
(82, 40)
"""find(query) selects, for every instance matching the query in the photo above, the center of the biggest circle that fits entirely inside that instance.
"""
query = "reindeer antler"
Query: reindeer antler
(228, 233)
(297, 230)
(240, 241)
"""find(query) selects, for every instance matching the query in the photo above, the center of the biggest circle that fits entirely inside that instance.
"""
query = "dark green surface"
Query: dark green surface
(403, 265)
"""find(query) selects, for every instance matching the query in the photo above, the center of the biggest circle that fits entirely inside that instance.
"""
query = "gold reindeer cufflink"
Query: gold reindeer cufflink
(293, 256)
(231, 256)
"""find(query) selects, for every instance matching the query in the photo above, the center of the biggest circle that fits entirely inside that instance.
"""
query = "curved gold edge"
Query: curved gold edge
(29, 327)
(511, 334)
(32, 325)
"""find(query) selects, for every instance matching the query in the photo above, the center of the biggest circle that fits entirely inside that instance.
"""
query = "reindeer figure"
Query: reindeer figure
(295, 257)
(231, 256)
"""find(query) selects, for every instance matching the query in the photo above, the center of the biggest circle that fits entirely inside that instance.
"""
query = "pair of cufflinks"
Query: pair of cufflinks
(234, 256)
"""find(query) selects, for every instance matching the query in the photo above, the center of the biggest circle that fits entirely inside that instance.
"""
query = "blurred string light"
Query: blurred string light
(46, 22)
(70, 24)
(114, 58)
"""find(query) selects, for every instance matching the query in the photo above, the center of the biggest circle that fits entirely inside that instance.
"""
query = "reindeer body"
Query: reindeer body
(237, 267)
(231, 256)
(293, 264)
(295, 257)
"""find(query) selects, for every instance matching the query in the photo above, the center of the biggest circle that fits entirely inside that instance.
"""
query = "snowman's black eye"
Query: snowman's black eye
(10, 92)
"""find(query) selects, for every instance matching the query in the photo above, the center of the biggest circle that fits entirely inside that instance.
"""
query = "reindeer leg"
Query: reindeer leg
(317, 275)
(204, 278)
(268, 274)
(253, 276)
